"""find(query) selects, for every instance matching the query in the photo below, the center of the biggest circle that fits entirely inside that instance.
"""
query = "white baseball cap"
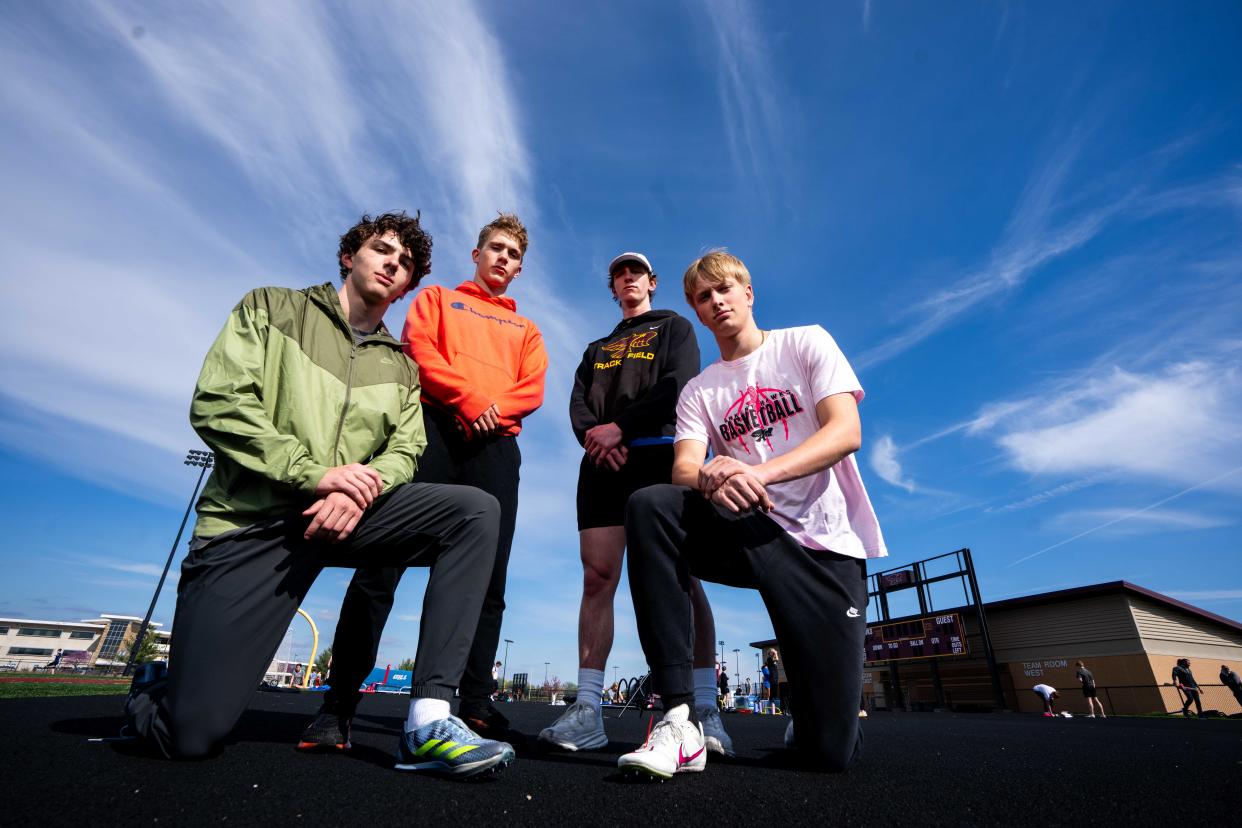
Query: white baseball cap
(630, 257)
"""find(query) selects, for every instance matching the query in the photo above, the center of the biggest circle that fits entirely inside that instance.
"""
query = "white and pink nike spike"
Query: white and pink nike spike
(676, 745)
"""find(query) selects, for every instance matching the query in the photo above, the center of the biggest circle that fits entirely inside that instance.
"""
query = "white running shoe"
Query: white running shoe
(789, 736)
(675, 745)
(714, 734)
(580, 727)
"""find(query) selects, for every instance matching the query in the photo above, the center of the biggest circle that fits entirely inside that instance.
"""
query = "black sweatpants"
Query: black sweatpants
(1192, 697)
(816, 601)
(488, 464)
(239, 591)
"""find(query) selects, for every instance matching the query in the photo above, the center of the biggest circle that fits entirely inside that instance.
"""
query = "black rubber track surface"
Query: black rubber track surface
(918, 769)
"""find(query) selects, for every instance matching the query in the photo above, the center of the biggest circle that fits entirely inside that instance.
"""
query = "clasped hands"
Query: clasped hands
(603, 445)
(734, 485)
(487, 423)
(345, 493)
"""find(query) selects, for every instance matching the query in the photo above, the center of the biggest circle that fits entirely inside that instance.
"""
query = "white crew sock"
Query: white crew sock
(424, 711)
(590, 686)
(704, 686)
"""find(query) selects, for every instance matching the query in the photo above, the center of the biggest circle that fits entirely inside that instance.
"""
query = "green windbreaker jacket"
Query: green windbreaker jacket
(285, 393)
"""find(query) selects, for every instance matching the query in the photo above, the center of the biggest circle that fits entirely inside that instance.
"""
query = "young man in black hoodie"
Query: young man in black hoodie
(623, 411)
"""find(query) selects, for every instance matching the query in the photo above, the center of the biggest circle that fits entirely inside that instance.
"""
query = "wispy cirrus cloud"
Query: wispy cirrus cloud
(1133, 514)
(1033, 237)
(883, 461)
(114, 564)
(1178, 423)
(299, 140)
(1207, 595)
(1130, 522)
(755, 110)
(1059, 212)
(1039, 498)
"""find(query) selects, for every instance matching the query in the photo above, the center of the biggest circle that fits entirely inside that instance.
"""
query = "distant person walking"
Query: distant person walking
(773, 669)
(1048, 694)
(1231, 680)
(1087, 680)
(1184, 680)
(726, 696)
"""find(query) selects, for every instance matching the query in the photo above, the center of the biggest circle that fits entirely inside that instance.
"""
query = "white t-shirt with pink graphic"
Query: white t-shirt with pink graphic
(762, 405)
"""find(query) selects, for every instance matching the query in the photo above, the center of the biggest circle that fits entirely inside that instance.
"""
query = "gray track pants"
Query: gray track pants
(816, 600)
(239, 592)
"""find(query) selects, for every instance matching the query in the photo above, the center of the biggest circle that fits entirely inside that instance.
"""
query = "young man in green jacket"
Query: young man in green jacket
(313, 413)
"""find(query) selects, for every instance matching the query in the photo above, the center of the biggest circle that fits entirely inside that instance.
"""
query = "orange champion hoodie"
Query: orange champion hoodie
(473, 350)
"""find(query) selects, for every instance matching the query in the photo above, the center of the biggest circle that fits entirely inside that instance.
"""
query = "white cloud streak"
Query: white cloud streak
(883, 461)
(113, 564)
(302, 140)
(1029, 242)
(1136, 513)
(1048, 494)
(1129, 522)
(1207, 595)
(1048, 223)
(754, 107)
(1177, 424)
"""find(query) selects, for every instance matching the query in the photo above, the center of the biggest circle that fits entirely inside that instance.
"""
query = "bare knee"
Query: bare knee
(603, 550)
(599, 581)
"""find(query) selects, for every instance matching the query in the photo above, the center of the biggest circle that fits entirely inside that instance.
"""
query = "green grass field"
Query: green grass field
(32, 685)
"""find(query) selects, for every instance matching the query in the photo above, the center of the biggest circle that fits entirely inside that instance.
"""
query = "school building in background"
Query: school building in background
(26, 643)
(1129, 637)
(96, 644)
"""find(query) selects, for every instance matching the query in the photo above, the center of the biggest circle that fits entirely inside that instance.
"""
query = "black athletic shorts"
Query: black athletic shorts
(602, 493)
(1088, 692)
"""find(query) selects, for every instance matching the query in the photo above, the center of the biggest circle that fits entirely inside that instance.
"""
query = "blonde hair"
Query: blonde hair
(505, 223)
(714, 268)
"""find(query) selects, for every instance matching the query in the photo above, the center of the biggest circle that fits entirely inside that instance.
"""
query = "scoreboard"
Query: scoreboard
(935, 635)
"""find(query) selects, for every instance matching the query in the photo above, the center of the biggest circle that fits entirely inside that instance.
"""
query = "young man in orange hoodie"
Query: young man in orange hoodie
(481, 366)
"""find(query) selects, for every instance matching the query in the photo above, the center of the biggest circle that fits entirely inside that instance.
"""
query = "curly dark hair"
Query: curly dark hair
(413, 237)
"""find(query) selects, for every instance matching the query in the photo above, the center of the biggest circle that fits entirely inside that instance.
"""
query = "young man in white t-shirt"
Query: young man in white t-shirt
(1048, 694)
(780, 508)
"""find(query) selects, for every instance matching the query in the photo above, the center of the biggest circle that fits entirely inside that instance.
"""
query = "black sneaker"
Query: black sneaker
(147, 676)
(328, 731)
(491, 724)
(146, 681)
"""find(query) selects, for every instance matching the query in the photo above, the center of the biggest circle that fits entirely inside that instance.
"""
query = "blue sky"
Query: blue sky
(1020, 221)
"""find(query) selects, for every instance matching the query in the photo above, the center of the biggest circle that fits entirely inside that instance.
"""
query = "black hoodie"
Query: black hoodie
(634, 375)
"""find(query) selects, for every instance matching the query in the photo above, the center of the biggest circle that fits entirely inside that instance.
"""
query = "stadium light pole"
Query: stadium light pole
(721, 643)
(203, 460)
(504, 671)
(545, 673)
(737, 664)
